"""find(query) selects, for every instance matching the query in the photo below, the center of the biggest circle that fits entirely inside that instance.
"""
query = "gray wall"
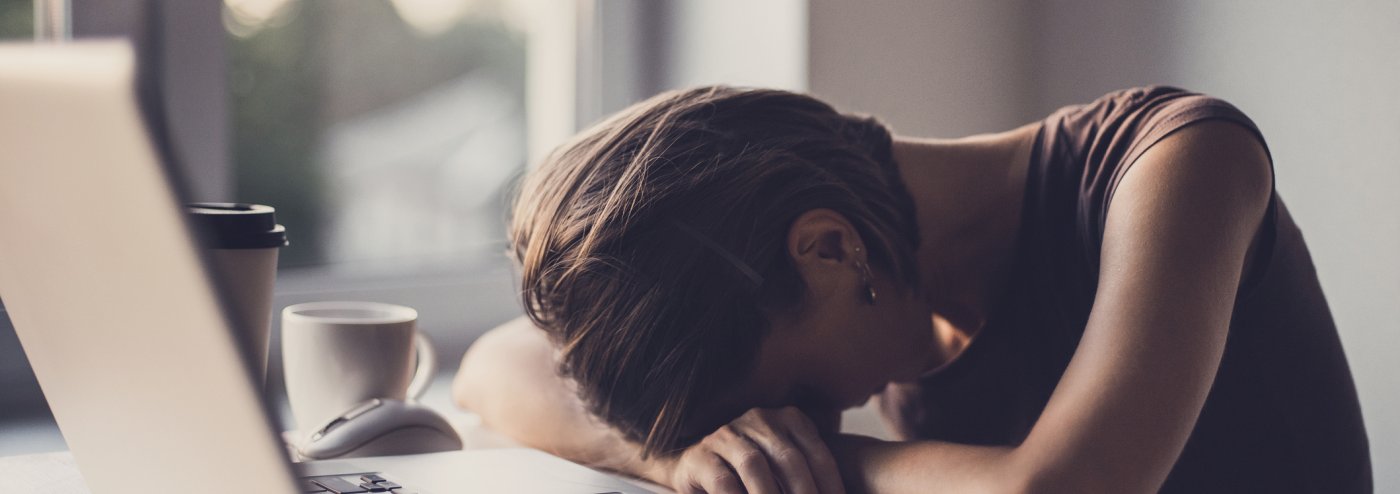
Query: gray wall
(931, 68)
(1321, 79)
(644, 47)
(737, 42)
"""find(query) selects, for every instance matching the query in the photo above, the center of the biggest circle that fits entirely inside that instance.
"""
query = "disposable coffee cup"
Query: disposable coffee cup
(242, 241)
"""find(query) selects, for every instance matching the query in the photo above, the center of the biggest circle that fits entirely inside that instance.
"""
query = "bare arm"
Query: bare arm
(1173, 254)
(508, 378)
(1174, 247)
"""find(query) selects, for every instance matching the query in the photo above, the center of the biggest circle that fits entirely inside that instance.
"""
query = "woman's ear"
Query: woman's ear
(822, 245)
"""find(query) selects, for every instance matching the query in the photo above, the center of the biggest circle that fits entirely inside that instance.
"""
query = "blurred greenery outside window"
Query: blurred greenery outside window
(385, 132)
(16, 20)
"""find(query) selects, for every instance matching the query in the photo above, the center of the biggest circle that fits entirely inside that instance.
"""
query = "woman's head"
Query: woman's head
(683, 253)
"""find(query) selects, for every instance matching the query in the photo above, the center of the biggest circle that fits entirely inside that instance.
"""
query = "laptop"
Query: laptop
(122, 321)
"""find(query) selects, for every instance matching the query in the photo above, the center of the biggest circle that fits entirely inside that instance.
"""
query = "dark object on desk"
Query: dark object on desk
(352, 484)
(381, 427)
(241, 242)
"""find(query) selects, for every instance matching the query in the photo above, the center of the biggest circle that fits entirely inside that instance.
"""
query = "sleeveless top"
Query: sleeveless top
(1282, 415)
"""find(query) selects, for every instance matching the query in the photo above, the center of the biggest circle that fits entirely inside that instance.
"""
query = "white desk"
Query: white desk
(56, 472)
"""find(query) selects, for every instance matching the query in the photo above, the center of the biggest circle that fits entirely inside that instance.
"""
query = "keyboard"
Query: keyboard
(357, 483)
(352, 484)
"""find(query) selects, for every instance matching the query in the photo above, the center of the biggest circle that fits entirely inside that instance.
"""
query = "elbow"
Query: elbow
(1061, 484)
(1044, 482)
(1071, 478)
(465, 384)
(470, 384)
(499, 365)
(1018, 476)
(485, 364)
(1047, 481)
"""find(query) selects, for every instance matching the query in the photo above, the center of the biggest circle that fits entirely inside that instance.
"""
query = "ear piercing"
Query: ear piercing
(866, 278)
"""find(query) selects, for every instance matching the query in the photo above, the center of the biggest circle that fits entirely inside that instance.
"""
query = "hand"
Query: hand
(763, 451)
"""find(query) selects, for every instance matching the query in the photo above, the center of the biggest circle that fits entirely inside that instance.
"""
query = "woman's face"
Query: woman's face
(838, 352)
(837, 349)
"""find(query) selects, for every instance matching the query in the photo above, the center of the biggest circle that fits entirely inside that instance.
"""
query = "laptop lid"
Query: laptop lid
(107, 291)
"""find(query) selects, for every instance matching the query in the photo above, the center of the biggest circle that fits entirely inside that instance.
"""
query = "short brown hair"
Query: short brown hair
(635, 237)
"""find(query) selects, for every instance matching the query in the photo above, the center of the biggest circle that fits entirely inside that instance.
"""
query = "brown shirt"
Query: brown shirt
(1282, 415)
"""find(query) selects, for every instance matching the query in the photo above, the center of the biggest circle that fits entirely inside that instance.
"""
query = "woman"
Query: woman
(717, 272)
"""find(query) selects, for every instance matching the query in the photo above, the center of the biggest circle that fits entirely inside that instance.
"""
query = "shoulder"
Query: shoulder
(1167, 147)
(1118, 127)
(1207, 157)
(1202, 192)
(1191, 145)
(1174, 248)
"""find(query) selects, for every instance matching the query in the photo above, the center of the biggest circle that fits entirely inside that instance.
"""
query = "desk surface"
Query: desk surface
(55, 471)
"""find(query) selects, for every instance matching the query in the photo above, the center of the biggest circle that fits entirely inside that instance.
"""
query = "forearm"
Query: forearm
(508, 379)
(872, 466)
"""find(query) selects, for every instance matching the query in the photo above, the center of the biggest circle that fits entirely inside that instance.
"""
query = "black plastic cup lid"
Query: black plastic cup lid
(227, 225)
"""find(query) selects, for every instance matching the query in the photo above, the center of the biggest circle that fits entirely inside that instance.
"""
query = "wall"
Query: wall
(1321, 79)
(643, 47)
(937, 68)
(735, 42)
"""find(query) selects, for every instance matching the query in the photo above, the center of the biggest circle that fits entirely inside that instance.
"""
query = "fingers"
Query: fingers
(749, 460)
(718, 478)
(727, 462)
(768, 429)
(762, 452)
(819, 458)
(792, 466)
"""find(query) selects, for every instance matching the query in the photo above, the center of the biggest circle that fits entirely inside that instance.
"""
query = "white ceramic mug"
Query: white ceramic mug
(337, 355)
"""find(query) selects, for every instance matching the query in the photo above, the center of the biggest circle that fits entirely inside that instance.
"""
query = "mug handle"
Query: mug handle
(425, 368)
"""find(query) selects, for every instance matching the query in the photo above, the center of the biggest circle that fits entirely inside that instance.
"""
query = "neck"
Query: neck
(967, 196)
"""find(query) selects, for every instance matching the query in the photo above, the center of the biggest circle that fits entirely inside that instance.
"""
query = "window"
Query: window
(16, 20)
(389, 134)
(384, 132)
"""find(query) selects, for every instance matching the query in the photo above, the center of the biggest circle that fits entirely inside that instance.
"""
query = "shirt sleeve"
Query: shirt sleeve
(1137, 120)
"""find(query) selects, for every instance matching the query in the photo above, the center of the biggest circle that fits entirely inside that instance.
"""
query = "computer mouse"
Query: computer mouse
(381, 427)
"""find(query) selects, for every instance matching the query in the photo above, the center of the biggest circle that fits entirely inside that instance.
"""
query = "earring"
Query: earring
(866, 277)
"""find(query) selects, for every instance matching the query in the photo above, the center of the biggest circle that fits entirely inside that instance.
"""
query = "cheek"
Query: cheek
(854, 355)
(908, 344)
(866, 370)
(869, 358)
